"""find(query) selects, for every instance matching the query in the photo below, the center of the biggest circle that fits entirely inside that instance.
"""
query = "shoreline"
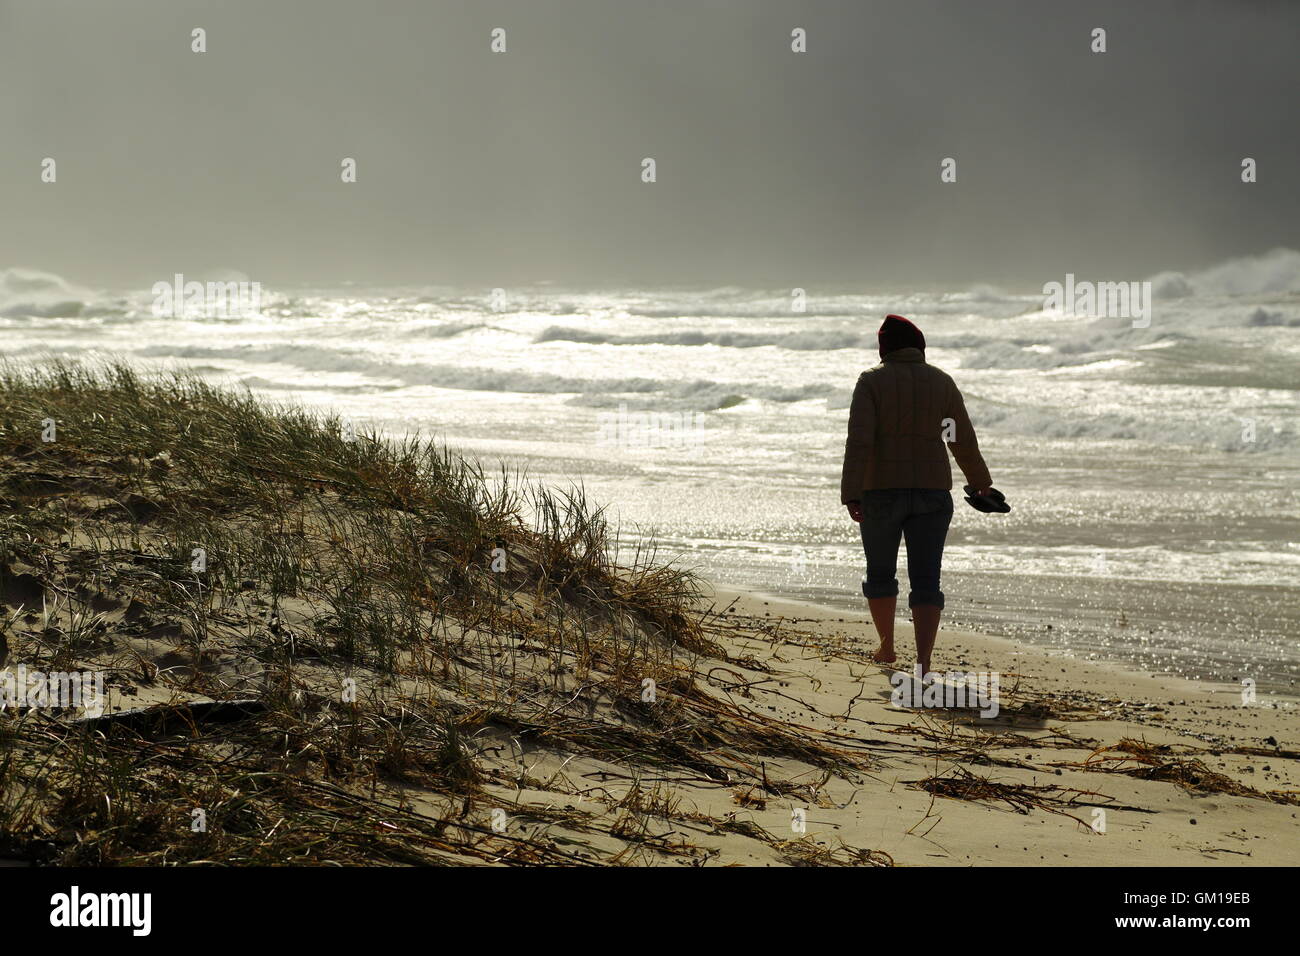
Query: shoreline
(992, 646)
(1277, 686)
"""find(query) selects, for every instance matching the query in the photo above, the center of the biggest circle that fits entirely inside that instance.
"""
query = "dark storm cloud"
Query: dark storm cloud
(774, 168)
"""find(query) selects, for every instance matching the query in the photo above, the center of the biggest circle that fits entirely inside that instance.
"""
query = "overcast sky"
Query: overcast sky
(774, 168)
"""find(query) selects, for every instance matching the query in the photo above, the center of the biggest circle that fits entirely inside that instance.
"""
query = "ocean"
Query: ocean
(1153, 471)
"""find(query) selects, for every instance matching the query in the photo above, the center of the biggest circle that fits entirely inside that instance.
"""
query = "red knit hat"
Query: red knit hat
(896, 333)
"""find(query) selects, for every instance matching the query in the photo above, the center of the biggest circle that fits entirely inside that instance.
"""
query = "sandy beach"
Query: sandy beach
(1059, 716)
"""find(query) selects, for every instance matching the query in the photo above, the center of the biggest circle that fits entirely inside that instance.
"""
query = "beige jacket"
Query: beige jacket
(903, 411)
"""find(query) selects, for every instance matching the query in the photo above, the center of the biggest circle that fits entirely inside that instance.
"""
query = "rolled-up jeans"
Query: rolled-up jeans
(918, 515)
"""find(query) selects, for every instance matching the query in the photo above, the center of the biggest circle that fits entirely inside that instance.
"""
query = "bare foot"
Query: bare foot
(884, 655)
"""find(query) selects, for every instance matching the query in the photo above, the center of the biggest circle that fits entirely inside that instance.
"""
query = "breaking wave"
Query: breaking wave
(1276, 271)
(698, 394)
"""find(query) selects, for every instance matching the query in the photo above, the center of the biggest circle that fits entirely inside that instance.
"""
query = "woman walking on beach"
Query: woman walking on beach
(896, 480)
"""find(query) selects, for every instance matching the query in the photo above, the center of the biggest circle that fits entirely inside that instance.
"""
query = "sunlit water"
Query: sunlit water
(1150, 526)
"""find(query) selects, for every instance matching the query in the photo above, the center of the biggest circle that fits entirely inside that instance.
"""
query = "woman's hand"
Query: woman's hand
(855, 511)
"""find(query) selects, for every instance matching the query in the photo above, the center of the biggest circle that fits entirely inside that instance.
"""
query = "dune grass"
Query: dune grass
(401, 618)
